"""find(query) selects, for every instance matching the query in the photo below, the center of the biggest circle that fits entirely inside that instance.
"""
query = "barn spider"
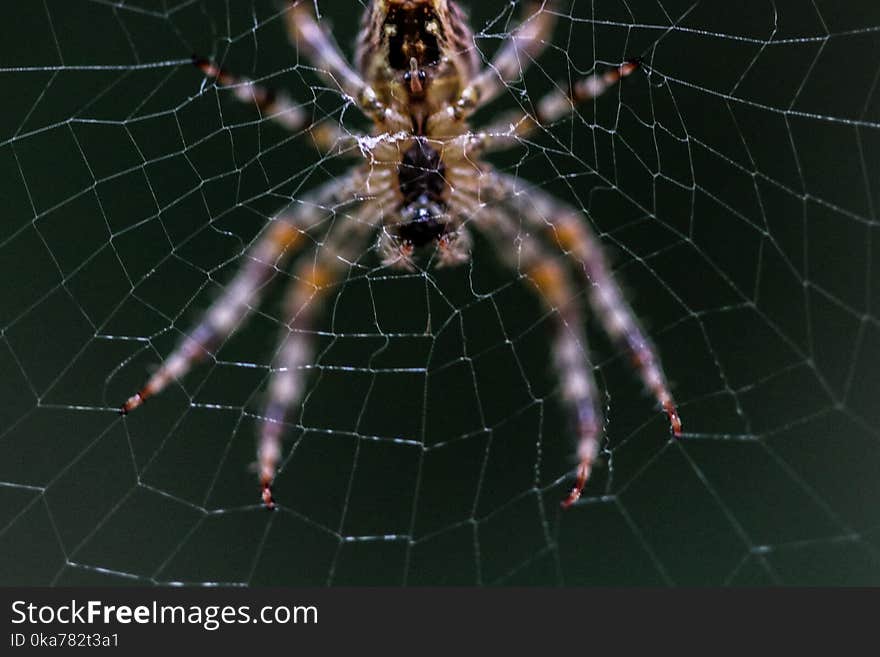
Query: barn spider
(424, 183)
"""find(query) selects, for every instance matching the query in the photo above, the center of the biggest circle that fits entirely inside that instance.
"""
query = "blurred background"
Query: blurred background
(733, 181)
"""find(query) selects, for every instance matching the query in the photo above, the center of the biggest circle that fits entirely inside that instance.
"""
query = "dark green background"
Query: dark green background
(735, 187)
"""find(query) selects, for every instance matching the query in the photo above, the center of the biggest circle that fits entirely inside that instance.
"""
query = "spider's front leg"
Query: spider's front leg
(311, 39)
(282, 237)
(570, 352)
(512, 127)
(525, 43)
(567, 228)
(279, 107)
(314, 281)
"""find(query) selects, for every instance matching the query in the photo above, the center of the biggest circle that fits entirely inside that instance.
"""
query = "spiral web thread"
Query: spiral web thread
(733, 181)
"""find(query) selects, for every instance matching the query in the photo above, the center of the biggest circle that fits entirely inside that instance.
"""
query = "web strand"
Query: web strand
(732, 178)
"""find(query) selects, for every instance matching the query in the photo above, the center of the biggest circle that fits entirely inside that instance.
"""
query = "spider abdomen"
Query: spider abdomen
(422, 173)
(422, 179)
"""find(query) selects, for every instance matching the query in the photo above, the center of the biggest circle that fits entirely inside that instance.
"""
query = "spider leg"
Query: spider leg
(512, 127)
(525, 44)
(282, 237)
(311, 39)
(277, 106)
(570, 351)
(314, 280)
(567, 228)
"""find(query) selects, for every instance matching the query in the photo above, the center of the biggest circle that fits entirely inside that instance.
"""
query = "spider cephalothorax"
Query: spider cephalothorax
(424, 184)
(416, 54)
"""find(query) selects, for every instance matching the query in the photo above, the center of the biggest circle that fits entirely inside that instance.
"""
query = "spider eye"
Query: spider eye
(415, 34)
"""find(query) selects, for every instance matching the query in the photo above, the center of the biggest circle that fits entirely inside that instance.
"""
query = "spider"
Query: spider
(423, 185)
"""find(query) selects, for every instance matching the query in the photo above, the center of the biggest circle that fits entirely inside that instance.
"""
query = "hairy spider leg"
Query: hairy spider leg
(314, 280)
(282, 237)
(553, 280)
(277, 106)
(312, 41)
(512, 127)
(273, 104)
(524, 44)
(566, 227)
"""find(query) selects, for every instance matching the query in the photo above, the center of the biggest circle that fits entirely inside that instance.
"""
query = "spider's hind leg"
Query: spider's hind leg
(549, 273)
(282, 237)
(568, 228)
(314, 280)
(226, 313)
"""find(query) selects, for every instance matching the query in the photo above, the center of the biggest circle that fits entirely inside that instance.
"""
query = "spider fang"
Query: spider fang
(415, 77)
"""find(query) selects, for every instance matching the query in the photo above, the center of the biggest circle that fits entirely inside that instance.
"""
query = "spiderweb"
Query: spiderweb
(733, 180)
